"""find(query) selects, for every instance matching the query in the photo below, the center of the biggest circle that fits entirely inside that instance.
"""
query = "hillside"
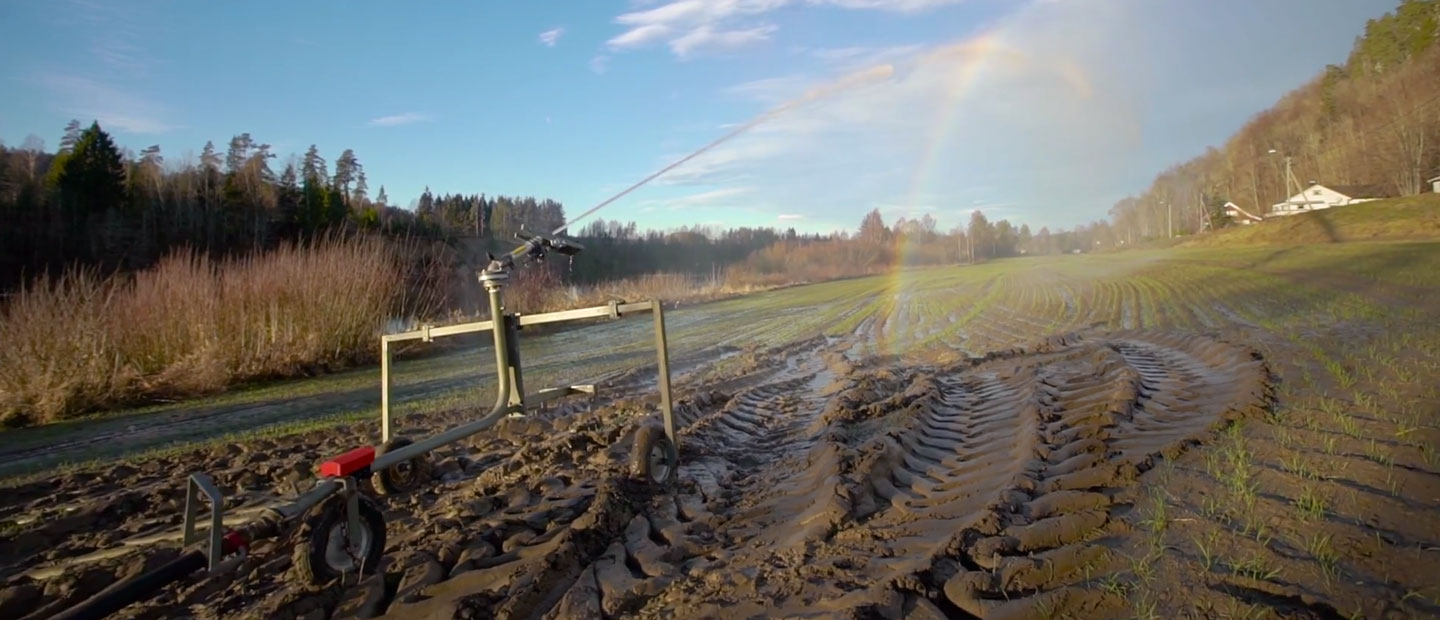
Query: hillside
(1410, 218)
(1372, 120)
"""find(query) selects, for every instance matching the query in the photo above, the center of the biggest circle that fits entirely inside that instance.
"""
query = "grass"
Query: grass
(1414, 217)
(1206, 547)
(80, 342)
(1255, 567)
(1311, 503)
(1320, 547)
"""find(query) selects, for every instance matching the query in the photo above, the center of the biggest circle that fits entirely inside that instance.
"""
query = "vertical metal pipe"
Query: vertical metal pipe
(384, 390)
(662, 358)
(513, 372)
(502, 347)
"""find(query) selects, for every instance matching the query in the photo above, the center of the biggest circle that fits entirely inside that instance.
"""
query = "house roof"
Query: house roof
(1363, 191)
(1229, 206)
(1432, 180)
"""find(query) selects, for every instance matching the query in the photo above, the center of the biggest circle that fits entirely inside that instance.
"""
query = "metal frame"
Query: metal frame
(201, 484)
(510, 399)
(511, 380)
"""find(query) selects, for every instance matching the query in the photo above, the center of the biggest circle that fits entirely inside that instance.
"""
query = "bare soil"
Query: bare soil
(812, 484)
(1200, 440)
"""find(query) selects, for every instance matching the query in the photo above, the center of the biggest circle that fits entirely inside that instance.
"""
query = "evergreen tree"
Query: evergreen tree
(346, 169)
(72, 135)
(361, 189)
(93, 177)
(314, 167)
(238, 154)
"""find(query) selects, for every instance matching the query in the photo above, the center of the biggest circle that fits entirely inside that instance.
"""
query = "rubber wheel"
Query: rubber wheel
(653, 457)
(401, 477)
(324, 553)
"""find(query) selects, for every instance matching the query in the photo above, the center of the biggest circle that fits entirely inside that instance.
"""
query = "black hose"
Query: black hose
(117, 596)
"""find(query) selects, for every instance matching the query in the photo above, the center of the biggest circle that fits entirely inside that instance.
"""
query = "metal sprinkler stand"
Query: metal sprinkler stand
(343, 531)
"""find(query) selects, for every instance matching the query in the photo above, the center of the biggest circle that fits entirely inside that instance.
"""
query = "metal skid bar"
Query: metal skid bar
(516, 400)
(201, 484)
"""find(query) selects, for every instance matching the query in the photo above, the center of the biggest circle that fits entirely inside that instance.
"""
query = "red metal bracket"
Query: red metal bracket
(234, 541)
(348, 463)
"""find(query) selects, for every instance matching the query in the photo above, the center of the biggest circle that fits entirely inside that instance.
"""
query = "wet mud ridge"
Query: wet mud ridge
(811, 485)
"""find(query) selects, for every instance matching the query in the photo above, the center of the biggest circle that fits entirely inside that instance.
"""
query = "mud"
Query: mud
(813, 483)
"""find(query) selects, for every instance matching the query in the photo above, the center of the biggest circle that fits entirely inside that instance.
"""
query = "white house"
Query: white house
(1240, 216)
(1319, 196)
(1435, 185)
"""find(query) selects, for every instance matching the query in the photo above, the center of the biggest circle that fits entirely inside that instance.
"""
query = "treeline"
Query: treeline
(877, 247)
(1373, 121)
(89, 203)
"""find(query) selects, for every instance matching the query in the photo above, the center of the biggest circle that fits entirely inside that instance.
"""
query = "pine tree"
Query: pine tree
(72, 135)
(314, 167)
(361, 189)
(93, 177)
(208, 159)
(346, 168)
(238, 154)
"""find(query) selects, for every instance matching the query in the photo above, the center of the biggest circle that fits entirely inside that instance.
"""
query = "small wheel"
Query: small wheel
(326, 552)
(401, 477)
(653, 457)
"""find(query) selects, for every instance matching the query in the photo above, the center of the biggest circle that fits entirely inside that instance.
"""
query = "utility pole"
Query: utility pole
(1169, 219)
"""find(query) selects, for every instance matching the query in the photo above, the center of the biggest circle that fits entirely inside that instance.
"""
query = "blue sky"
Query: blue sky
(1041, 111)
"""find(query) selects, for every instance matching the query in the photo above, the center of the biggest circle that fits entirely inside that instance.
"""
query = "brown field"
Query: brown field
(1188, 433)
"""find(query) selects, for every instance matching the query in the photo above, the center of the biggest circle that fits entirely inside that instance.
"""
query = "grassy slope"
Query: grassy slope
(1410, 218)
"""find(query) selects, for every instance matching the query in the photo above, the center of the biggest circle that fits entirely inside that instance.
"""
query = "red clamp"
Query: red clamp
(234, 541)
(348, 463)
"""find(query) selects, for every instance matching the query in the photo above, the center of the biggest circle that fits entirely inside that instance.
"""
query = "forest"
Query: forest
(91, 203)
(1375, 120)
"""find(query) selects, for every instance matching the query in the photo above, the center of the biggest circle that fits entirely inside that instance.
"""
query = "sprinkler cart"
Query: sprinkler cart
(342, 530)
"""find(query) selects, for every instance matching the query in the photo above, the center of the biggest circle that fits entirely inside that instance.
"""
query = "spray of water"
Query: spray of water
(852, 80)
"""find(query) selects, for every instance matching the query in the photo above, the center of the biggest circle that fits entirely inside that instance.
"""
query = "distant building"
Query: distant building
(1241, 216)
(1435, 185)
(1319, 196)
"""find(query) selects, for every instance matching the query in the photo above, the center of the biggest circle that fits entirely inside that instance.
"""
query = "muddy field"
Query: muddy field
(1186, 434)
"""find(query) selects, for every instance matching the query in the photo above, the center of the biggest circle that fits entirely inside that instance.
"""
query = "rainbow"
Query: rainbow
(964, 65)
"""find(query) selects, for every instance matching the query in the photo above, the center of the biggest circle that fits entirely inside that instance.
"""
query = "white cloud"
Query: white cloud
(789, 217)
(88, 99)
(1028, 103)
(599, 64)
(707, 39)
(692, 27)
(395, 120)
(550, 37)
(897, 6)
(717, 197)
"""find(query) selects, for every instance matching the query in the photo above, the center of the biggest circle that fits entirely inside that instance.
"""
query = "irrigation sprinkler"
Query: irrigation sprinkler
(342, 530)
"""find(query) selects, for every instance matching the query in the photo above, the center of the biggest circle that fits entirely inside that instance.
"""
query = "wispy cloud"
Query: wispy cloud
(395, 120)
(599, 63)
(550, 37)
(692, 27)
(707, 39)
(122, 57)
(712, 198)
(790, 217)
(919, 140)
(85, 98)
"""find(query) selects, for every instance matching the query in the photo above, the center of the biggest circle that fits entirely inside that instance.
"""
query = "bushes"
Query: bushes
(190, 325)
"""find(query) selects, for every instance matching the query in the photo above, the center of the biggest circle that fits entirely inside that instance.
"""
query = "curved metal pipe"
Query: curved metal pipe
(502, 397)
